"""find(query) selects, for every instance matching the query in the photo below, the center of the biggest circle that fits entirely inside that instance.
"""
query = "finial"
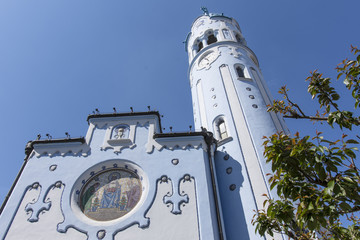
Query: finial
(132, 110)
(205, 10)
(67, 135)
(48, 136)
(114, 109)
(148, 108)
(38, 137)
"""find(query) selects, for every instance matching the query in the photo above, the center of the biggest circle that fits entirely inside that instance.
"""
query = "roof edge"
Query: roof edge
(208, 136)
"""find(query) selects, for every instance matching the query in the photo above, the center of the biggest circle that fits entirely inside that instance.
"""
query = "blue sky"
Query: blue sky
(59, 60)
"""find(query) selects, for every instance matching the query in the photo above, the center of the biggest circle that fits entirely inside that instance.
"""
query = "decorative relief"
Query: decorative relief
(119, 137)
(176, 199)
(120, 132)
(52, 167)
(41, 204)
(101, 234)
(207, 59)
(110, 196)
(235, 52)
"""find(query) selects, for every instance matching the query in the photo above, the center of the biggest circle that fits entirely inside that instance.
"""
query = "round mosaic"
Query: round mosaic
(110, 195)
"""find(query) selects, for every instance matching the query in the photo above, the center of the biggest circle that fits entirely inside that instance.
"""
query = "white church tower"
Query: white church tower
(230, 99)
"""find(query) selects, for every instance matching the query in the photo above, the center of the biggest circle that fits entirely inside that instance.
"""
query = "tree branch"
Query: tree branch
(307, 117)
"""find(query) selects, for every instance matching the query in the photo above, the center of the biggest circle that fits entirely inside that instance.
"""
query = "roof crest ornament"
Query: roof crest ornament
(205, 10)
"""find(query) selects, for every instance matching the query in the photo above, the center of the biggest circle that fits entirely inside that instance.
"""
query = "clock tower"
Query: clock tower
(230, 99)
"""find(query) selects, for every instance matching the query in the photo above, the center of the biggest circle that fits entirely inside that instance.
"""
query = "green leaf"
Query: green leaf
(331, 184)
(349, 152)
(321, 171)
(352, 141)
(345, 207)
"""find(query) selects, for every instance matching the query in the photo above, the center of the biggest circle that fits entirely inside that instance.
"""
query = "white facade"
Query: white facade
(128, 180)
(175, 199)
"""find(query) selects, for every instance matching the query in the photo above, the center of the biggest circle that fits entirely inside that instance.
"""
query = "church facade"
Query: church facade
(126, 179)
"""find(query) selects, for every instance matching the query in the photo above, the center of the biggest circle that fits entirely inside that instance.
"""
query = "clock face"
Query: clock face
(207, 59)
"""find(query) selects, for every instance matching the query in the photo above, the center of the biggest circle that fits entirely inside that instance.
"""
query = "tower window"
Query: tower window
(240, 72)
(238, 38)
(211, 39)
(226, 34)
(220, 129)
(200, 46)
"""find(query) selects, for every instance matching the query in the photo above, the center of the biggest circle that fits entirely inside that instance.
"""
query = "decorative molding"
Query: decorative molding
(176, 198)
(62, 149)
(178, 143)
(41, 204)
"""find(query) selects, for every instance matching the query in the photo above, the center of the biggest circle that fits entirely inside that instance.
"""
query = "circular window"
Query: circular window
(110, 194)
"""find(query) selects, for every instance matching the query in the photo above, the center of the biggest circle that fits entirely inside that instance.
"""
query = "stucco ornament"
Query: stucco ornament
(102, 197)
(109, 197)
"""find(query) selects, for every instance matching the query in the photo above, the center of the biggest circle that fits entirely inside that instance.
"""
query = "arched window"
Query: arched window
(211, 39)
(220, 129)
(240, 71)
(198, 45)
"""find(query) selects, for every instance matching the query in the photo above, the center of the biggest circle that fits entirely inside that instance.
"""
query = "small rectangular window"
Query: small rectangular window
(222, 130)
(226, 34)
(240, 72)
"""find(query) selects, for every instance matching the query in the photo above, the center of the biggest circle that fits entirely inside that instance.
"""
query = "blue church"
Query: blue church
(126, 179)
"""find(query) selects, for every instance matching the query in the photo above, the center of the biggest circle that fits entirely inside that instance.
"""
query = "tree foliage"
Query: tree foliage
(317, 180)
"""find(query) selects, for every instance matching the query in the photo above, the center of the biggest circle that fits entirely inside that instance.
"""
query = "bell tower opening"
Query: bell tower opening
(211, 39)
(200, 46)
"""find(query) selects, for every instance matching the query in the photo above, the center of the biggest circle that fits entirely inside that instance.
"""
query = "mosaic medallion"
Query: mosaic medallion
(110, 195)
